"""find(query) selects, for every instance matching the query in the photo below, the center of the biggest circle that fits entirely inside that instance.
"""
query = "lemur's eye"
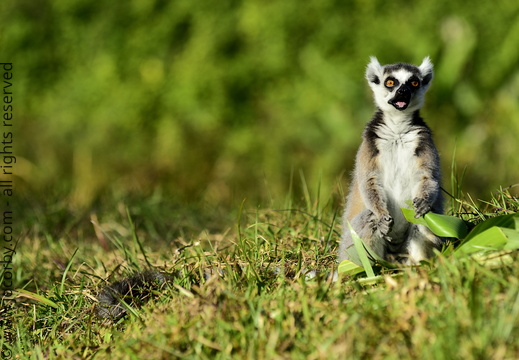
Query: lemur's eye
(415, 83)
(390, 83)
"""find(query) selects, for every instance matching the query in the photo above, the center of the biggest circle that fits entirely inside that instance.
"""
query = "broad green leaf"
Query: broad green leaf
(490, 239)
(494, 238)
(440, 225)
(409, 215)
(513, 239)
(348, 267)
(504, 221)
(446, 226)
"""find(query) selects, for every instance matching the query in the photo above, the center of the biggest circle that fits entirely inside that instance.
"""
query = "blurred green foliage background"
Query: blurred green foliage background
(225, 100)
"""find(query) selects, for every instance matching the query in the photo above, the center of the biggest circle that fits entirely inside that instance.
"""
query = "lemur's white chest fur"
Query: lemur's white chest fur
(398, 166)
(397, 142)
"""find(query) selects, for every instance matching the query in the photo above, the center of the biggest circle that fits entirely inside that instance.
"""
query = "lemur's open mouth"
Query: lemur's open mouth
(400, 102)
(400, 105)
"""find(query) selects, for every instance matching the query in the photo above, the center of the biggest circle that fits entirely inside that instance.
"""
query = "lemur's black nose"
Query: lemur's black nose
(404, 90)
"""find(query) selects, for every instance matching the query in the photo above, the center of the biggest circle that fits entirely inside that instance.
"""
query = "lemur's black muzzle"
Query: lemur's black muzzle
(402, 98)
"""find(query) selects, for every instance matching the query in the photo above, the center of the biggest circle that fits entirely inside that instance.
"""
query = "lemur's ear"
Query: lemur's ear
(374, 71)
(426, 68)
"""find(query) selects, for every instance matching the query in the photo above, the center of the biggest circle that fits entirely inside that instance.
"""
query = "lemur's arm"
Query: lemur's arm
(371, 189)
(427, 189)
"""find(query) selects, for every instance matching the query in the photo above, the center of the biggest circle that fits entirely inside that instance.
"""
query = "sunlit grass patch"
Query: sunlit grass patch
(243, 293)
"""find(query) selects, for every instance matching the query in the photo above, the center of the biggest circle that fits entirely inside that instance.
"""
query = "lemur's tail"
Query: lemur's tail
(135, 290)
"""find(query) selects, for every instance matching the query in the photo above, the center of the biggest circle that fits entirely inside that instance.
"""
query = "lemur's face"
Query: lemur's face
(399, 86)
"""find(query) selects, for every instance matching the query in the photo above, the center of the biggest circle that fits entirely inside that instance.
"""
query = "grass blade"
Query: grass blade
(361, 252)
(64, 276)
(36, 297)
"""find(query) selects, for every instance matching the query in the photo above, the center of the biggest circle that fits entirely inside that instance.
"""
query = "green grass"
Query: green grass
(124, 111)
(240, 292)
(201, 100)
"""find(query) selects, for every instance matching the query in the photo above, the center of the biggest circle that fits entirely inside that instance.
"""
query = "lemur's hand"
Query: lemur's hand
(421, 207)
(385, 224)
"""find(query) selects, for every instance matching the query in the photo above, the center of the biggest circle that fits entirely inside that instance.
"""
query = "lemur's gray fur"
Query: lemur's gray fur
(396, 162)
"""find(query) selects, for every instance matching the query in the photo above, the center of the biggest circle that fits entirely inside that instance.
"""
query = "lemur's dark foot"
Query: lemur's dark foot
(385, 224)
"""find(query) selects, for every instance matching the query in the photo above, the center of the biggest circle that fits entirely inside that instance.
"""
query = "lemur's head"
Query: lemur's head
(399, 86)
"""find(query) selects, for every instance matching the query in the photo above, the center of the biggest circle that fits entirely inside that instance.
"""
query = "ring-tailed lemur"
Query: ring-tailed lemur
(396, 162)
